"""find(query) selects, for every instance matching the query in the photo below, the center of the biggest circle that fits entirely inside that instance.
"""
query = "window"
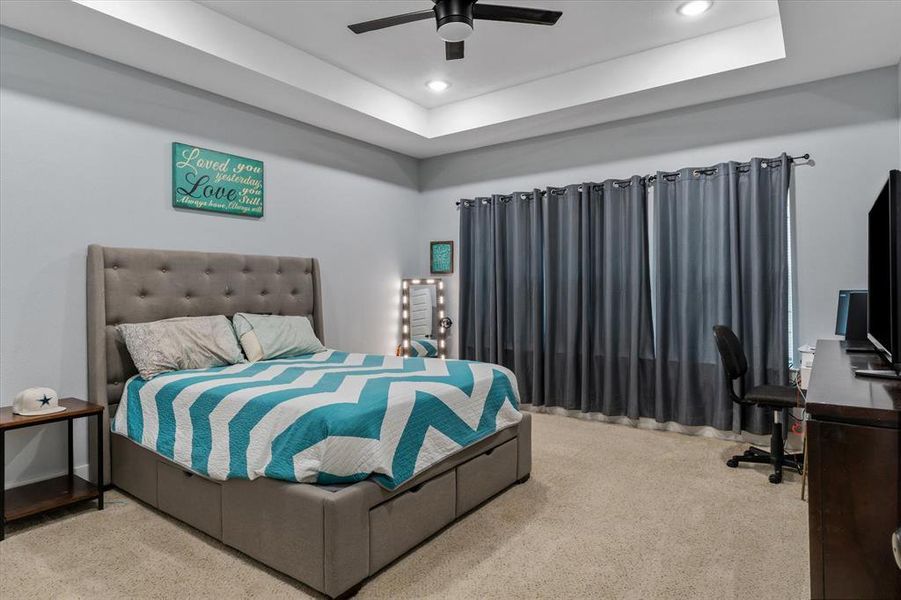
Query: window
(791, 283)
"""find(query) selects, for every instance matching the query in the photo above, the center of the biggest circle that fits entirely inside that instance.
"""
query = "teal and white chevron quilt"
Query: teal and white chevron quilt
(330, 417)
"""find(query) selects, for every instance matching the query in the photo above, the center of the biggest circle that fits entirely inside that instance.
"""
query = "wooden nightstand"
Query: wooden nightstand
(35, 498)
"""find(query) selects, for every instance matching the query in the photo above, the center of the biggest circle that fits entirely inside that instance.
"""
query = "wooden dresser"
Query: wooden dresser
(854, 461)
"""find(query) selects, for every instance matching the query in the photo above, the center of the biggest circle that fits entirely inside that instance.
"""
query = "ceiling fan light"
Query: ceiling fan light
(694, 8)
(454, 31)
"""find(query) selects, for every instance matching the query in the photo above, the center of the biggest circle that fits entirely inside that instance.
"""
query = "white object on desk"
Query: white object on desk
(807, 352)
(805, 377)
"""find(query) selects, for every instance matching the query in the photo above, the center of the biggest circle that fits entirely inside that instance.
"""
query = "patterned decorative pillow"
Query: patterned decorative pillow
(275, 336)
(181, 343)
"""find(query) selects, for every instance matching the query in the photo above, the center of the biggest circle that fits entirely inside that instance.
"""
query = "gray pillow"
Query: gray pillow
(275, 336)
(181, 343)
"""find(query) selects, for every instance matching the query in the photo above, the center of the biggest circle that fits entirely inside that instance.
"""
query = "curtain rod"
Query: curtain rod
(651, 178)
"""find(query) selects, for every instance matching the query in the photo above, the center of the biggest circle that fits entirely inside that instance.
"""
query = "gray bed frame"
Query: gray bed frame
(331, 538)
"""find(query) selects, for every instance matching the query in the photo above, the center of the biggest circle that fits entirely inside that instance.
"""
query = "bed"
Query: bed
(330, 536)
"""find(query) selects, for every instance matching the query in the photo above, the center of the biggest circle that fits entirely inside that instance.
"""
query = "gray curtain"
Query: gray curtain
(598, 334)
(501, 285)
(558, 288)
(478, 300)
(720, 246)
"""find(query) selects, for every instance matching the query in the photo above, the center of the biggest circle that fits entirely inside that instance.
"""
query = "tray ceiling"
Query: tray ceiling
(603, 61)
(498, 55)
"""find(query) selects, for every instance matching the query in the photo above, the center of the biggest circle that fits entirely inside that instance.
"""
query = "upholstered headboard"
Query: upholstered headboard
(128, 285)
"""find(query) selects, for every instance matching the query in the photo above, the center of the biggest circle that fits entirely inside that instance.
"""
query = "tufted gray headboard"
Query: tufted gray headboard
(129, 285)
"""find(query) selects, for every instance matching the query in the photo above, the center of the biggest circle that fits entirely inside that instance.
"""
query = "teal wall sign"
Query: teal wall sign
(208, 180)
(441, 257)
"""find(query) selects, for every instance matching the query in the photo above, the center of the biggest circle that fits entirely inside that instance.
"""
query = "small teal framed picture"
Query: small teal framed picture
(441, 255)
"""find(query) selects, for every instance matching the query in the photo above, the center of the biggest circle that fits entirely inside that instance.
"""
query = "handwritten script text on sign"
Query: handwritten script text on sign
(208, 180)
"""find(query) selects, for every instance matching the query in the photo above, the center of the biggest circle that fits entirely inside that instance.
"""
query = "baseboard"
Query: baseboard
(83, 471)
(647, 423)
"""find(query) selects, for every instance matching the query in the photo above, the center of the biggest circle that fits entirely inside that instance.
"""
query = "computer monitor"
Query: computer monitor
(851, 315)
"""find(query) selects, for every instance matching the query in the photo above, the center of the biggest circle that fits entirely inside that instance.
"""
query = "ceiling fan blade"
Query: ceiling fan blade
(453, 50)
(515, 14)
(419, 15)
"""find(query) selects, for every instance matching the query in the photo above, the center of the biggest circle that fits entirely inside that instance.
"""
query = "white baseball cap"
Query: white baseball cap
(37, 401)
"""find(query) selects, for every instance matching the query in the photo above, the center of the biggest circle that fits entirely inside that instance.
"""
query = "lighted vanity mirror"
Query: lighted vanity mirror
(423, 322)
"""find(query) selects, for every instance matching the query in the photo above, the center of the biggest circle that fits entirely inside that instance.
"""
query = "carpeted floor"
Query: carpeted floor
(610, 512)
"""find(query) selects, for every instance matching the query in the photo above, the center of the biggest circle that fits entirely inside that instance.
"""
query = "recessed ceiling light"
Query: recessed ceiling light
(437, 86)
(694, 8)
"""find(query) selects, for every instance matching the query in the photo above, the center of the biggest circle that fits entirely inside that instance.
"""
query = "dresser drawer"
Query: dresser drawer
(401, 523)
(485, 475)
(190, 498)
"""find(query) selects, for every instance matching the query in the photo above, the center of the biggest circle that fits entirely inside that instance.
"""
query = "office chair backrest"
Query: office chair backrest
(733, 356)
(735, 364)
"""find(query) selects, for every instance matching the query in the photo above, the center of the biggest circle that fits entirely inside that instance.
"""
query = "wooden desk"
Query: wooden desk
(854, 457)
(34, 498)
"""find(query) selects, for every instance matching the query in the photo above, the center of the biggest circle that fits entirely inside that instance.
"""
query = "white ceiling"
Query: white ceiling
(498, 55)
(603, 61)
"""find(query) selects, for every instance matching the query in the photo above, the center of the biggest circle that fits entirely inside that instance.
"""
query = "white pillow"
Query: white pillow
(181, 343)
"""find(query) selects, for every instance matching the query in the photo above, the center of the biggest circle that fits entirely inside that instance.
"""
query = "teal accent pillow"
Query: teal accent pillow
(275, 336)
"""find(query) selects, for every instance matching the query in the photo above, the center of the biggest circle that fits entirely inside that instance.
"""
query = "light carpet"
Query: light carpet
(610, 512)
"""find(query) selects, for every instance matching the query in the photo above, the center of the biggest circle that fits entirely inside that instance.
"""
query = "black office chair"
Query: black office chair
(775, 397)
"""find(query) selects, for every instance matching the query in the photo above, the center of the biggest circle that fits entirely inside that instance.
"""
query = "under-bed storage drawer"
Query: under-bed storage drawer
(485, 475)
(133, 468)
(401, 523)
(190, 498)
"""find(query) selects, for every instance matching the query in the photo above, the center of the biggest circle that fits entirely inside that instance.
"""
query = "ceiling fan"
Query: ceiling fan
(454, 20)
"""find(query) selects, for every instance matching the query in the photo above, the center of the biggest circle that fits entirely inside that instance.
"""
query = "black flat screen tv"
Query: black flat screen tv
(884, 273)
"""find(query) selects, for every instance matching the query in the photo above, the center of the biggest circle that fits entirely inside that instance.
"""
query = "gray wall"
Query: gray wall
(85, 154)
(848, 124)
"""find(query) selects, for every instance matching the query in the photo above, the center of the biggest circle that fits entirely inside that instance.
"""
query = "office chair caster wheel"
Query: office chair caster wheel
(776, 478)
(732, 463)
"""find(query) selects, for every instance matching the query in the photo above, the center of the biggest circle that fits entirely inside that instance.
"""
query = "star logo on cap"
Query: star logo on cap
(44, 401)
